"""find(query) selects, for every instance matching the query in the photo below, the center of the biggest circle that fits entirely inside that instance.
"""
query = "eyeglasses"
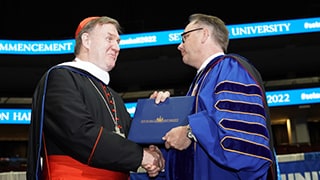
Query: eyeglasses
(183, 35)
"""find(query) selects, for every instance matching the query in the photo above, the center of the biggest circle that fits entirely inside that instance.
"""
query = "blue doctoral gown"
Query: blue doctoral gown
(231, 124)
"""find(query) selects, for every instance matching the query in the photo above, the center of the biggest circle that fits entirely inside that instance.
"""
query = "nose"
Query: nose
(116, 45)
(180, 46)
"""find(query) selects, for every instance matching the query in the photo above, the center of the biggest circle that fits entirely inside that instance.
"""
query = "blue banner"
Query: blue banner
(301, 166)
(293, 97)
(15, 116)
(160, 38)
(274, 98)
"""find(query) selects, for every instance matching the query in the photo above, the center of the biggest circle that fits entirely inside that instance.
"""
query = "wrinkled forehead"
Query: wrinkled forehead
(108, 29)
(191, 25)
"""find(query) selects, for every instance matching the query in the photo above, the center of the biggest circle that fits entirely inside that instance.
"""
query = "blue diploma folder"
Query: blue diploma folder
(151, 121)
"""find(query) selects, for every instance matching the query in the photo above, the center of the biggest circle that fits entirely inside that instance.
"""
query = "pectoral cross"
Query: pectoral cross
(117, 131)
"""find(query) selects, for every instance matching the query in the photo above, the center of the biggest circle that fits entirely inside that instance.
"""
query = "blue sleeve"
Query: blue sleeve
(230, 122)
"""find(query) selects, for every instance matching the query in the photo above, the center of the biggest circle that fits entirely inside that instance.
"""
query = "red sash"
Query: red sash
(63, 167)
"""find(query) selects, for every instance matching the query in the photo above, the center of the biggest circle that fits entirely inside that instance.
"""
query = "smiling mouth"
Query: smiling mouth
(113, 56)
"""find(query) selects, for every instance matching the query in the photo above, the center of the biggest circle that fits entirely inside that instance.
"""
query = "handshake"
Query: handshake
(153, 161)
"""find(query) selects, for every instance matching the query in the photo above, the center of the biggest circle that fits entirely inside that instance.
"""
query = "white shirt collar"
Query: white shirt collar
(91, 68)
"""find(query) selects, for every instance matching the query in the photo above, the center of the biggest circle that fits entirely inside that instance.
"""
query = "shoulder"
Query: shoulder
(239, 58)
(65, 71)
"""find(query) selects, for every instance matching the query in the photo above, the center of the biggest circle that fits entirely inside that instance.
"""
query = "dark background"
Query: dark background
(288, 57)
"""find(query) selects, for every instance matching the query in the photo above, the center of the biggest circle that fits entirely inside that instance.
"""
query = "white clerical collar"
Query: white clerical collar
(91, 68)
(206, 62)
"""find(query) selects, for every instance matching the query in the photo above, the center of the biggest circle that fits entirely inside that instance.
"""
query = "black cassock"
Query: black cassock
(70, 107)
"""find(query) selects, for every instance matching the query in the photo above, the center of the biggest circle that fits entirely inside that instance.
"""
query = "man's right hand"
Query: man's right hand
(153, 161)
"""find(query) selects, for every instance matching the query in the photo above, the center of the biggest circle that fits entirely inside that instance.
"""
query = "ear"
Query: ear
(85, 40)
(205, 35)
